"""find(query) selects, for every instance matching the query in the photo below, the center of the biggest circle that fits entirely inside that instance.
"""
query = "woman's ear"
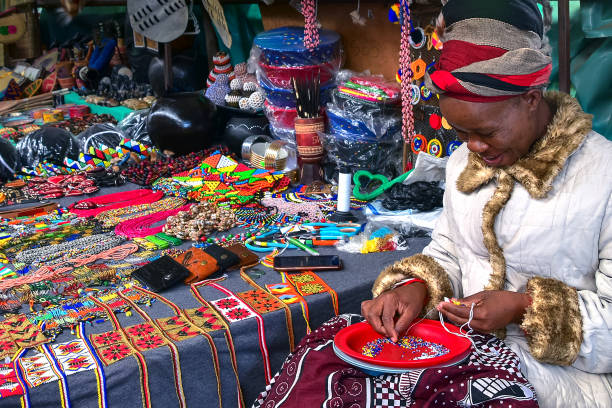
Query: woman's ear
(532, 99)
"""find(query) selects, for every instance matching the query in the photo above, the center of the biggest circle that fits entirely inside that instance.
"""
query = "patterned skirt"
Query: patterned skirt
(313, 376)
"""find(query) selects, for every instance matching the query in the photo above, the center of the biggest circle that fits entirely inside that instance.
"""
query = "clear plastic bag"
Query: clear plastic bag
(364, 124)
(278, 56)
(134, 126)
(376, 237)
(406, 219)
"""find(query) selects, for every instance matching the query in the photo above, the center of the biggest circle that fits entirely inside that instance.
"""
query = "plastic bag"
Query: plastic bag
(134, 126)
(9, 160)
(376, 237)
(279, 55)
(100, 136)
(421, 196)
(406, 219)
(364, 124)
(47, 144)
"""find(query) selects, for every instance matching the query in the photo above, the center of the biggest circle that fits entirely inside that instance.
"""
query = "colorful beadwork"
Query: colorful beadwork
(417, 348)
(308, 283)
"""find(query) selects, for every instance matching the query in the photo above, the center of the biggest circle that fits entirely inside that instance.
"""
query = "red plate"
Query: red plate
(351, 339)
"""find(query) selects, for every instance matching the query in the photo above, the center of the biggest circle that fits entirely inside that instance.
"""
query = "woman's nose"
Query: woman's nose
(476, 145)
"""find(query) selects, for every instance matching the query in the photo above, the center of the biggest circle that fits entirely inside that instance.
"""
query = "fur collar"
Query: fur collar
(537, 170)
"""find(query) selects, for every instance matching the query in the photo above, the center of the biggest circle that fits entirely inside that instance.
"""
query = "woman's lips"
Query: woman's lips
(493, 160)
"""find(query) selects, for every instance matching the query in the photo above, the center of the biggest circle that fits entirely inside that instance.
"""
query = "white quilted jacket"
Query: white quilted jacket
(566, 236)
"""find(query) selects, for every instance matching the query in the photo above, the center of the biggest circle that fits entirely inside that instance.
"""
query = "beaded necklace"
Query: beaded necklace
(65, 249)
(96, 205)
(64, 233)
(115, 216)
(142, 226)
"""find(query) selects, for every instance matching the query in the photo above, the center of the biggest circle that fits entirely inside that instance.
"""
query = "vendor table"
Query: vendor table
(169, 362)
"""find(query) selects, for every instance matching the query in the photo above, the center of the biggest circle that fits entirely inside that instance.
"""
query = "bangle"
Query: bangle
(408, 281)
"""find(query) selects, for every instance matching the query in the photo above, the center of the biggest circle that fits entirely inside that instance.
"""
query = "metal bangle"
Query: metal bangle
(249, 142)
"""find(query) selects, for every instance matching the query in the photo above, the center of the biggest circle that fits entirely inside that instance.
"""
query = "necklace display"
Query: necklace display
(113, 217)
(93, 206)
(28, 225)
(202, 219)
(308, 211)
(326, 202)
(107, 249)
(63, 233)
(65, 249)
(220, 178)
(142, 226)
(147, 171)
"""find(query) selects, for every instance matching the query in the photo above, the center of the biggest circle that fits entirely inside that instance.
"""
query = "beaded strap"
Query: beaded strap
(407, 74)
(311, 33)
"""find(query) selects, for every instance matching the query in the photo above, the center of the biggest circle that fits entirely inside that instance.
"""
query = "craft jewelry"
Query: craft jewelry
(64, 249)
(115, 216)
(96, 205)
(143, 226)
(200, 220)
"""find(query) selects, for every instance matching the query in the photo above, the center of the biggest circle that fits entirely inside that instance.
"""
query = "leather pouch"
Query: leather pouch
(163, 273)
(200, 265)
(246, 257)
(225, 259)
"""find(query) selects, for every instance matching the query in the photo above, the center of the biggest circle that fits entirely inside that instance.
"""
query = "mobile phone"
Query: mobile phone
(313, 263)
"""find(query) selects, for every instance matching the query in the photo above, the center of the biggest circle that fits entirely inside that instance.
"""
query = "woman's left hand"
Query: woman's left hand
(493, 309)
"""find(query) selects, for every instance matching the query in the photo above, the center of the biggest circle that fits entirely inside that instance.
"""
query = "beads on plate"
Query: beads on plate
(420, 349)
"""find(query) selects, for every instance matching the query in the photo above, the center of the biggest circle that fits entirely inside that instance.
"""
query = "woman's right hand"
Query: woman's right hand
(391, 313)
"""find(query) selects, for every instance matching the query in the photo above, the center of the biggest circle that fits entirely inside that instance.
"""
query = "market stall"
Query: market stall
(170, 230)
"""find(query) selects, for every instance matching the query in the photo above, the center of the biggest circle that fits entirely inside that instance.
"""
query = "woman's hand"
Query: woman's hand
(493, 309)
(391, 313)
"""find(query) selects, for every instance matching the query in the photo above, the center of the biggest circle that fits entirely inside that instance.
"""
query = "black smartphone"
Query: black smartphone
(304, 263)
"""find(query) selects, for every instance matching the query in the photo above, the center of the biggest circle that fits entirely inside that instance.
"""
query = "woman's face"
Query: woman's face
(499, 132)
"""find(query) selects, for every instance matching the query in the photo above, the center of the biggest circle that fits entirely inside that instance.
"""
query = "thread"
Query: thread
(344, 192)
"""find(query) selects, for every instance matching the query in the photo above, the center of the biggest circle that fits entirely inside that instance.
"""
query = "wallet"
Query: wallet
(245, 256)
(199, 264)
(163, 273)
(225, 259)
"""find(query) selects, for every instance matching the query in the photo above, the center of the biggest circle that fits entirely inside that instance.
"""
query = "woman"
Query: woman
(526, 232)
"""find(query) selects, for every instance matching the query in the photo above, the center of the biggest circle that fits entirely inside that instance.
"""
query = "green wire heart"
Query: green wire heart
(385, 184)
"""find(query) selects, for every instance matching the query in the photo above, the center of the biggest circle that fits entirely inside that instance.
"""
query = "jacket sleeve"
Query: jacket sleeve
(437, 265)
(565, 326)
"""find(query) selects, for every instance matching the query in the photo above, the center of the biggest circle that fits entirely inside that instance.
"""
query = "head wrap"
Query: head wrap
(493, 50)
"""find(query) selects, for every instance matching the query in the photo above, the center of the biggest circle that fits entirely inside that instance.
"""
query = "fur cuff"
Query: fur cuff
(416, 266)
(553, 322)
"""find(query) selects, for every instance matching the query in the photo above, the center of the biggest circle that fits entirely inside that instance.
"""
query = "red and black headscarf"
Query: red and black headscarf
(493, 50)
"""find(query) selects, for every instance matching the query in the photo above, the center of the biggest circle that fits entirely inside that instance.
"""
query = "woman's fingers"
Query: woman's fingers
(403, 322)
(388, 319)
(458, 320)
(372, 311)
(457, 310)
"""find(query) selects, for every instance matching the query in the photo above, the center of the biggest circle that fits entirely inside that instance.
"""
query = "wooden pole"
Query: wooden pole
(564, 46)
